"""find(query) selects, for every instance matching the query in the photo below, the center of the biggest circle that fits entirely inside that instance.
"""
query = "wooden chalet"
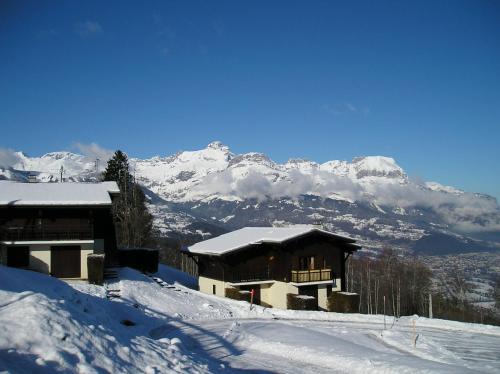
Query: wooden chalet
(52, 227)
(274, 262)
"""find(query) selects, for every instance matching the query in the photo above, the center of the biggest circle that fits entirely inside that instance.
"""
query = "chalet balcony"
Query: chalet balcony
(255, 276)
(303, 276)
(49, 233)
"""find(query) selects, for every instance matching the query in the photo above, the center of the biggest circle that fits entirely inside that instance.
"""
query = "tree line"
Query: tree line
(400, 285)
(389, 283)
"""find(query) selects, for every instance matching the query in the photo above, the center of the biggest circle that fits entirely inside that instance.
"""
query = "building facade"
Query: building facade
(53, 227)
(274, 262)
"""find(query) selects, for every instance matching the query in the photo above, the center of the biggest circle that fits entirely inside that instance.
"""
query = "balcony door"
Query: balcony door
(306, 263)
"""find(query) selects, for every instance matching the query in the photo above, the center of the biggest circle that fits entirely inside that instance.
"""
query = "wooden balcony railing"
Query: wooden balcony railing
(302, 276)
(52, 233)
(240, 277)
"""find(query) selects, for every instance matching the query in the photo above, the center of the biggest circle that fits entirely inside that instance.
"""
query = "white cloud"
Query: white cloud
(467, 212)
(88, 28)
(8, 157)
(257, 186)
(93, 151)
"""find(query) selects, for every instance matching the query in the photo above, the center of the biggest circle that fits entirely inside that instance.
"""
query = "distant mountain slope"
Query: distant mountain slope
(209, 191)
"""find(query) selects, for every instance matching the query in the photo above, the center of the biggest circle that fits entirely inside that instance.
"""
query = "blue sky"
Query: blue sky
(417, 81)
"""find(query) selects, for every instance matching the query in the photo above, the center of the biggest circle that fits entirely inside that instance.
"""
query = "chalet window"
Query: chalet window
(306, 263)
(18, 257)
(213, 289)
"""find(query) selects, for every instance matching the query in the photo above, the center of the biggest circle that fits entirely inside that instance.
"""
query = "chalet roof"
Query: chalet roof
(247, 236)
(56, 194)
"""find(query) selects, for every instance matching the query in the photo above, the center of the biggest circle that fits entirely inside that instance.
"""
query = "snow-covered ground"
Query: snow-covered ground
(159, 325)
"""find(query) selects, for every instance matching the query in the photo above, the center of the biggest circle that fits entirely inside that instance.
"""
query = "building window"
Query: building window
(306, 263)
(18, 257)
(213, 289)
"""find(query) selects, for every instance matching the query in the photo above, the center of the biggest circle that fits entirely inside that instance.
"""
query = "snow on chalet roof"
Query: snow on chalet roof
(49, 194)
(256, 235)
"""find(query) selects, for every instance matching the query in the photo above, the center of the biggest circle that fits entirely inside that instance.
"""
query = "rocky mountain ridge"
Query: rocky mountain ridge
(204, 192)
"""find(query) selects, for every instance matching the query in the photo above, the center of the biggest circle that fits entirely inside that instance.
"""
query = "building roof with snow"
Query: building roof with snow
(249, 236)
(57, 194)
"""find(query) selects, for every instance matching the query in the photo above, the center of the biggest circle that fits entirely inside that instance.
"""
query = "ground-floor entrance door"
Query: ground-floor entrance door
(65, 261)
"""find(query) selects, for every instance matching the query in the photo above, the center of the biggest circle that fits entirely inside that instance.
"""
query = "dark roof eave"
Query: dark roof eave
(56, 205)
(353, 247)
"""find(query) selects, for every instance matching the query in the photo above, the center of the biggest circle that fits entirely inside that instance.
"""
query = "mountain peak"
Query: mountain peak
(61, 155)
(375, 160)
(218, 146)
(377, 166)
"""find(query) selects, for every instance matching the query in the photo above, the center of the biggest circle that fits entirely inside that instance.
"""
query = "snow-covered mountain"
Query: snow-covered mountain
(371, 198)
(216, 173)
(48, 168)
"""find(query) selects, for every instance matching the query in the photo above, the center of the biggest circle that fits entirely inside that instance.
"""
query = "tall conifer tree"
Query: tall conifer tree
(134, 223)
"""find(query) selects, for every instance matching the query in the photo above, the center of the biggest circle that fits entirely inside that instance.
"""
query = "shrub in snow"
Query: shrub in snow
(95, 266)
(236, 294)
(343, 302)
(301, 302)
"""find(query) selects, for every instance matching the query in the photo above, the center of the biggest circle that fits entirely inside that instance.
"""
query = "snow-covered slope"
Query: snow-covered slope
(157, 325)
(46, 326)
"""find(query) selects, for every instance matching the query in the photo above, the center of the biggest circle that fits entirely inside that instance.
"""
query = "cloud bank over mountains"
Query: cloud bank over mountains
(216, 173)
(94, 151)
(467, 212)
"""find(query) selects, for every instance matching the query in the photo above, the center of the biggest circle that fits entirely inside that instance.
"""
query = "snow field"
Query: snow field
(47, 326)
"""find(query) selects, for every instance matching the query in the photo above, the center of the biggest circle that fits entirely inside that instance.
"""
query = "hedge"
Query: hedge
(301, 302)
(343, 302)
(237, 294)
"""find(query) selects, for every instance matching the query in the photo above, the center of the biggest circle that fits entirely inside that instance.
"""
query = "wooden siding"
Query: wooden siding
(56, 223)
(276, 261)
